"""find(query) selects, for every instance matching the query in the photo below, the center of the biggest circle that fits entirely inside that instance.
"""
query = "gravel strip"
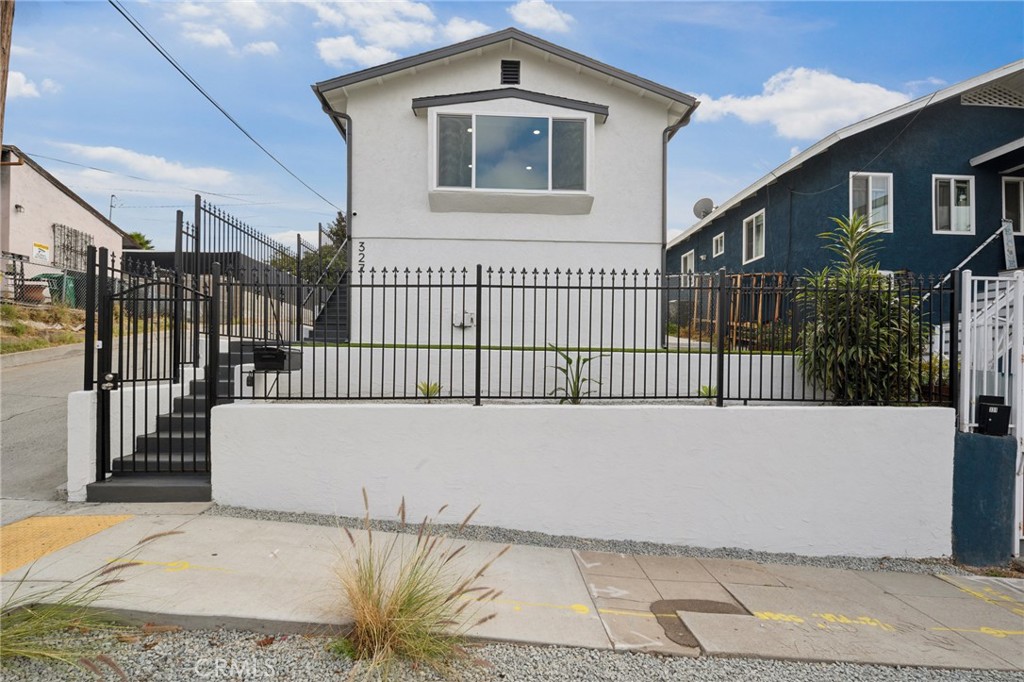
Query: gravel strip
(505, 536)
(240, 655)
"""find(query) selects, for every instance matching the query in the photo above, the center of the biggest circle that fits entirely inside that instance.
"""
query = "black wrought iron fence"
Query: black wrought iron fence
(579, 336)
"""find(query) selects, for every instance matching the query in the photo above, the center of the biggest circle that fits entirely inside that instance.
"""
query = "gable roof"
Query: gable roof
(1012, 75)
(687, 102)
(68, 192)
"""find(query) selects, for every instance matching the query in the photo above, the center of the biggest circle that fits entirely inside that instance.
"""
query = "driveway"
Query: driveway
(33, 410)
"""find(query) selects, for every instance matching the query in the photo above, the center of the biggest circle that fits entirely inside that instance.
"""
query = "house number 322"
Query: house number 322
(361, 256)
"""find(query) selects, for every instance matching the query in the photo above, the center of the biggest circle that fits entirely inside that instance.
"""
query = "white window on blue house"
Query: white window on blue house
(953, 204)
(511, 152)
(753, 237)
(871, 197)
(687, 266)
(1013, 202)
(718, 245)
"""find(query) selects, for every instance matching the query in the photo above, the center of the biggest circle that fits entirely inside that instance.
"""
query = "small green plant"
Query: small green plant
(429, 389)
(8, 312)
(18, 328)
(672, 329)
(408, 599)
(574, 389)
(709, 393)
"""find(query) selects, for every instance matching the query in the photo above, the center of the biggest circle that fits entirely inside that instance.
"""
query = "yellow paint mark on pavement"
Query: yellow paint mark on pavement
(170, 566)
(994, 632)
(25, 541)
(988, 595)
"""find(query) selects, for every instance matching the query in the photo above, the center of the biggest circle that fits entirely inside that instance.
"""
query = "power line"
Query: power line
(166, 55)
(133, 177)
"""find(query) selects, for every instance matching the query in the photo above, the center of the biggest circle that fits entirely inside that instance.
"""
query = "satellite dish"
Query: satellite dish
(703, 207)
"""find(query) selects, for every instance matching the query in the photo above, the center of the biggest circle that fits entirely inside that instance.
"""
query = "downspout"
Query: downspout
(666, 137)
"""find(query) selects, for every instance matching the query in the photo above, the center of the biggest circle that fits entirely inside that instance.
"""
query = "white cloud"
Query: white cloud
(255, 16)
(377, 32)
(926, 84)
(22, 51)
(458, 29)
(804, 103)
(793, 151)
(360, 15)
(264, 47)
(397, 34)
(18, 85)
(207, 36)
(541, 16)
(344, 49)
(153, 167)
(50, 86)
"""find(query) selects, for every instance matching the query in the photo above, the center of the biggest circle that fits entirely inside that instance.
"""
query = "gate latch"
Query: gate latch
(111, 382)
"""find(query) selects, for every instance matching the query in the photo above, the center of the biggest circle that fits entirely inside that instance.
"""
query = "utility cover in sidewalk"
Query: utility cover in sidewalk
(672, 624)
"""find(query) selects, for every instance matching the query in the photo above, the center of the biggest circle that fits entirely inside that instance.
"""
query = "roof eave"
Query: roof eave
(497, 38)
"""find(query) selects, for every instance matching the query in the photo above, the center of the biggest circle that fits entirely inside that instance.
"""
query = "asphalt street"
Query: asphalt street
(33, 435)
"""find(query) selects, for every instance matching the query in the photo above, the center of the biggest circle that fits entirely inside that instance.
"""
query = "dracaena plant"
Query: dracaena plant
(864, 334)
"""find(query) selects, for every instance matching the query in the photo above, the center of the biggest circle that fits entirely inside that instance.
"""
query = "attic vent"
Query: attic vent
(509, 72)
(994, 95)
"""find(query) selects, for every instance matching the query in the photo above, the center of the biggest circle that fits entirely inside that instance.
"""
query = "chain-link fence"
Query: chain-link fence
(29, 283)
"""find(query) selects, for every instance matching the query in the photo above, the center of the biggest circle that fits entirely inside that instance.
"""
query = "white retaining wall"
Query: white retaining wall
(864, 481)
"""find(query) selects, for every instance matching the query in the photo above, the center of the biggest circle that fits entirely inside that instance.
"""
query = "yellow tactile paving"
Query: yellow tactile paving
(22, 542)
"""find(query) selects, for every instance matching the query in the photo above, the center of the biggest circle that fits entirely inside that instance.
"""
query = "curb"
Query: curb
(30, 357)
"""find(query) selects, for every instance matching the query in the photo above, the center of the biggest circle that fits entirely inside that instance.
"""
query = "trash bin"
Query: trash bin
(62, 287)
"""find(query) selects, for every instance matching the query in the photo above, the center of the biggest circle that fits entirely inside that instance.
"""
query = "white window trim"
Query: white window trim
(718, 245)
(970, 178)
(692, 256)
(1017, 229)
(563, 115)
(764, 236)
(888, 228)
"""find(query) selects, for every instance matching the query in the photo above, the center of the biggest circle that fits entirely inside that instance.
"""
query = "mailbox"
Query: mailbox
(991, 416)
(276, 359)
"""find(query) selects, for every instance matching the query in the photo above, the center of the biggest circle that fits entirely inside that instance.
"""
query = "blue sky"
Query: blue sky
(773, 78)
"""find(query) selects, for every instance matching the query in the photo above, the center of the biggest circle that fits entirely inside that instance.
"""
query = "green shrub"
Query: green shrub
(863, 337)
(8, 312)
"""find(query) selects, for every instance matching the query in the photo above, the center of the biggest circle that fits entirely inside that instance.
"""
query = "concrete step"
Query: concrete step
(172, 442)
(151, 488)
(163, 463)
(187, 419)
(189, 403)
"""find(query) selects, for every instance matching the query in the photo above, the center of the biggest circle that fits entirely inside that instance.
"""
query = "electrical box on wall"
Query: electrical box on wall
(463, 319)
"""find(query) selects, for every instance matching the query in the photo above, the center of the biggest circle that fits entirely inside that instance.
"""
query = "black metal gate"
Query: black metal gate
(156, 367)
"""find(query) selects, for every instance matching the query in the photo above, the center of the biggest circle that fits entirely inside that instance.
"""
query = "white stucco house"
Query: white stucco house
(505, 150)
(46, 226)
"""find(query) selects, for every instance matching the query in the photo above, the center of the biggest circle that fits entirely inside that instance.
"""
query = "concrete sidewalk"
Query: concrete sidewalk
(208, 571)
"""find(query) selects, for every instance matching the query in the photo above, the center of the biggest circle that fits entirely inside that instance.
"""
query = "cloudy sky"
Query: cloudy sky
(96, 105)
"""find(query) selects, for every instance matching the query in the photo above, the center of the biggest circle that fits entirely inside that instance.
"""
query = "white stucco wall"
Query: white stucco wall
(393, 163)
(81, 443)
(814, 480)
(44, 204)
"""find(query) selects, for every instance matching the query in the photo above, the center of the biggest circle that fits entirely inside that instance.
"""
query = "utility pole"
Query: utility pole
(110, 213)
(6, 28)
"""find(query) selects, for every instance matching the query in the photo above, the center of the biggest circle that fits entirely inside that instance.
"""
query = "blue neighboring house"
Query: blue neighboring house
(941, 173)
